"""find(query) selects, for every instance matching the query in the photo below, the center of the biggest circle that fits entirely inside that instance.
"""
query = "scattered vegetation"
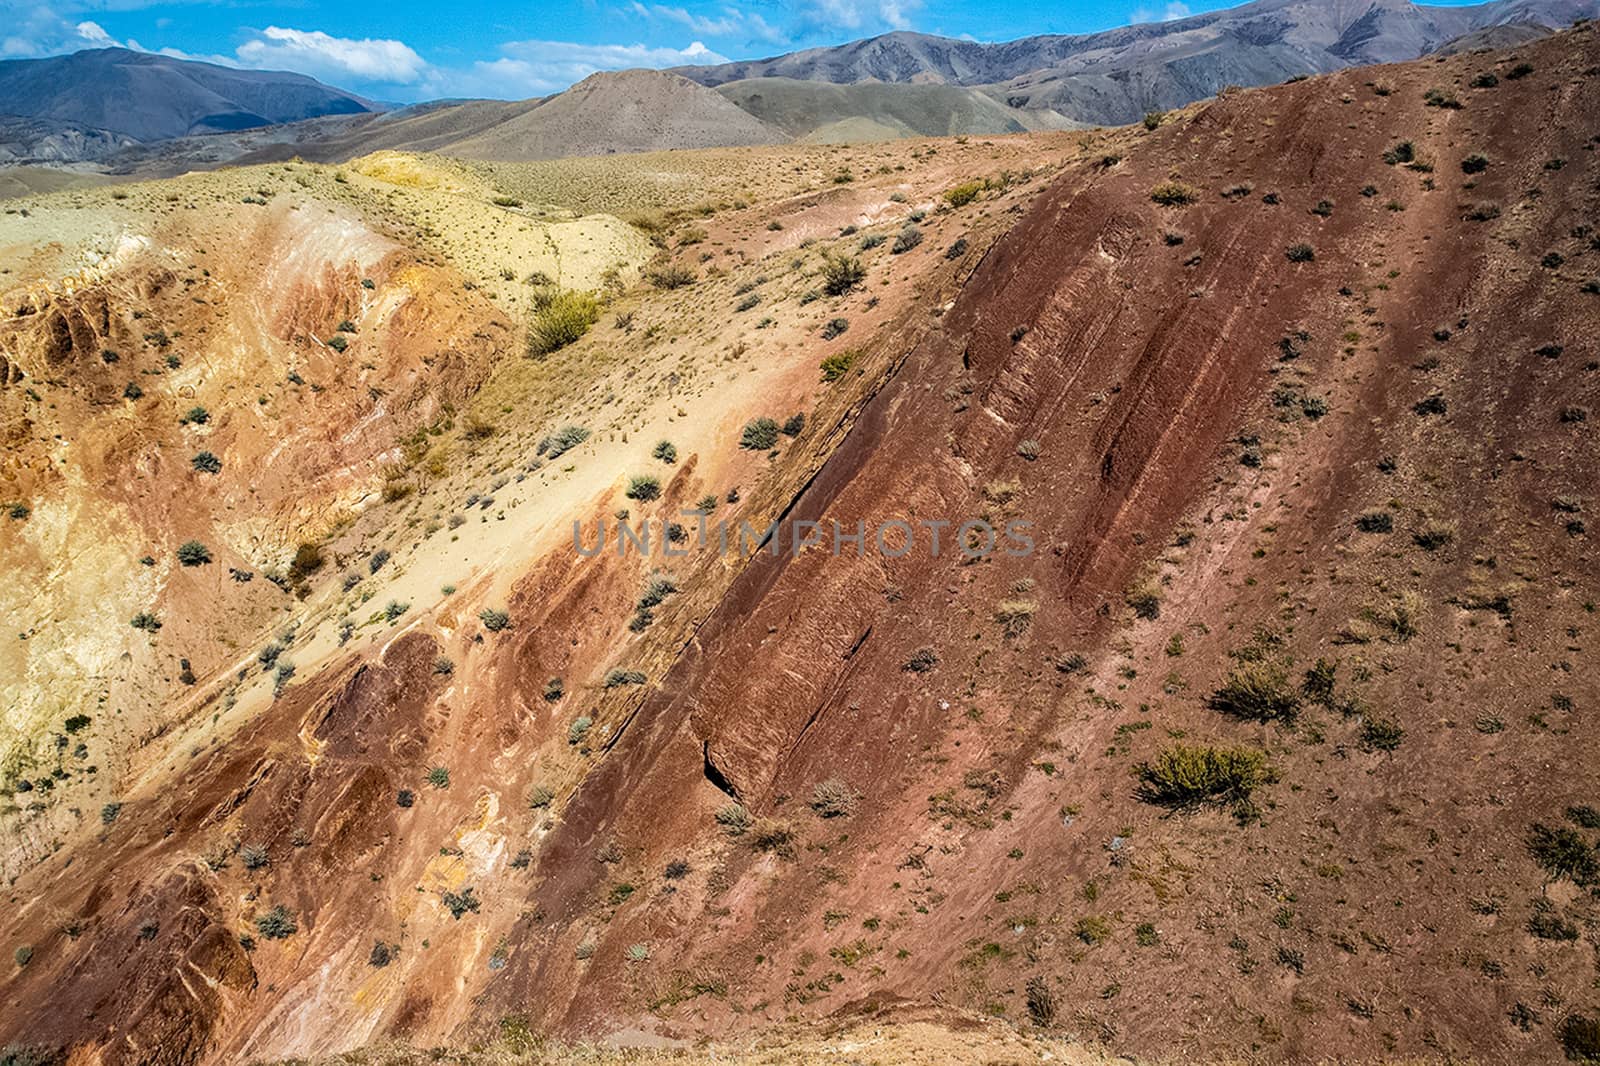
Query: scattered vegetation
(560, 319)
(760, 434)
(1185, 775)
(1174, 194)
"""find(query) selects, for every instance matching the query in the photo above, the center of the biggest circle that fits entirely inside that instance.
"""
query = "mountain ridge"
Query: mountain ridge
(1112, 76)
(150, 97)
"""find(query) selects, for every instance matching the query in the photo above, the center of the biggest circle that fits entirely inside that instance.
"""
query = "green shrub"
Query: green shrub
(908, 238)
(23, 955)
(963, 194)
(833, 798)
(1300, 253)
(657, 589)
(337, 343)
(494, 620)
(1015, 616)
(1403, 152)
(1584, 815)
(760, 434)
(773, 835)
(1476, 163)
(670, 276)
(276, 924)
(206, 463)
(643, 488)
(794, 425)
(1580, 1038)
(579, 729)
(563, 440)
(617, 677)
(840, 274)
(1546, 923)
(1174, 194)
(835, 327)
(666, 451)
(561, 320)
(1188, 775)
(439, 777)
(1375, 522)
(146, 621)
(1381, 734)
(195, 416)
(459, 903)
(734, 819)
(1563, 854)
(1258, 691)
(193, 553)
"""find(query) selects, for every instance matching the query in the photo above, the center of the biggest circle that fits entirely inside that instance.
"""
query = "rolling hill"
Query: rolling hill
(147, 97)
(869, 111)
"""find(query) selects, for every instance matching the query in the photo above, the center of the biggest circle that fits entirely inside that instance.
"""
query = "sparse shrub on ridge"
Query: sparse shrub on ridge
(838, 364)
(669, 276)
(963, 194)
(1258, 691)
(276, 924)
(833, 798)
(644, 488)
(759, 435)
(1186, 775)
(563, 440)
(1174, 194)
(560, 320)
(841, 273)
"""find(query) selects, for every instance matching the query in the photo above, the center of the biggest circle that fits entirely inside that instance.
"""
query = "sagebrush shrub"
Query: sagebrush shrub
(1258, 691)
(1186, 775)
(561, 320)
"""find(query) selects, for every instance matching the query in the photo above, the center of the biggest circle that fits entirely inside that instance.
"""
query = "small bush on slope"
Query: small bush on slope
(560, 320)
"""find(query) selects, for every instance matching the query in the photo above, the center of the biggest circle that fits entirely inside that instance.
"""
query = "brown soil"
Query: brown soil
(1377, 451)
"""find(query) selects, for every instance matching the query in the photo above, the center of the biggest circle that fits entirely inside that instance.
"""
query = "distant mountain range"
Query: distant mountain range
(141, 113)
(1114, 77)
(115, 96)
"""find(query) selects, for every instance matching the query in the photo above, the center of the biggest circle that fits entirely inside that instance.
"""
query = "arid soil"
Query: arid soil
(1296, 390)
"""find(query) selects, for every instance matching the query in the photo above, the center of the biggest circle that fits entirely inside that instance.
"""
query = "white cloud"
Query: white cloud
(334, 58)
(536, 68)
(731, 22)
(858, 16)
(94, 36)
(1174, 10)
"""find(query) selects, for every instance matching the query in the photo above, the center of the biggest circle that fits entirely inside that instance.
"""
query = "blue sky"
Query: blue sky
(406, 50)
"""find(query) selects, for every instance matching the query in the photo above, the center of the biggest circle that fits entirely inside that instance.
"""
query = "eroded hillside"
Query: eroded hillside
(301, 600)
(1274, 745)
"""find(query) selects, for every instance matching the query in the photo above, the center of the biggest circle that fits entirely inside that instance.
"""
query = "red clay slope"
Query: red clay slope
(1382, 900)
